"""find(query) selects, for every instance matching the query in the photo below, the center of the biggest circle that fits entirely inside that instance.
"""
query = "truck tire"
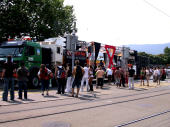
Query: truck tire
(35, 81)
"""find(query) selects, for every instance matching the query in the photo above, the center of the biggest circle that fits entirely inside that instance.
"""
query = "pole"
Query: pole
(73, 46)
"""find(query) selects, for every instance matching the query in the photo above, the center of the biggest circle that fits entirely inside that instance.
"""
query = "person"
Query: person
(163, 72)
(109, 75)
(60, 75)
(22, 76)
(100, 76)
(69, 79)
(131, 77)
(98, 67)
(117, 77)
(122, 73)
(113, 73)
(91, 78)
(7, 73)
(43, 75)
(154, 75)
(85, 78)
(158, 75)
(142, 76)
(147, 72)
(78, 73)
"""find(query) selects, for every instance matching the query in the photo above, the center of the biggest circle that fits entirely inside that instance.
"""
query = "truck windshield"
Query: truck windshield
(14, 51)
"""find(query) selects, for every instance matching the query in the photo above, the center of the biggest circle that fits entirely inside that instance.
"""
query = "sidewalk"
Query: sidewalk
(152, 84)
(34, 96)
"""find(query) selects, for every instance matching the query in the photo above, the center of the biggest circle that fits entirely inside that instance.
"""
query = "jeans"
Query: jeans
(61, 85)
(8, 83)
(22, 86)
(131, 82)
(45, 85)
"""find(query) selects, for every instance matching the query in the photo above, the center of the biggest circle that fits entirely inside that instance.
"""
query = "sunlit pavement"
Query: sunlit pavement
(107, 107)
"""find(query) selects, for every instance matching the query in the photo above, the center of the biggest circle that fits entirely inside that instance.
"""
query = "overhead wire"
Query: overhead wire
(156, 8)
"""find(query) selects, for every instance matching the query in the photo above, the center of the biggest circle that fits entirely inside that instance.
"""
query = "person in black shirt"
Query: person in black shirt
(131, 77)
(22, 75)
(7, 74)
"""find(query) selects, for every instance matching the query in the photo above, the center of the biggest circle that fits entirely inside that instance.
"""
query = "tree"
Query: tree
(167, 55)
(38, 18)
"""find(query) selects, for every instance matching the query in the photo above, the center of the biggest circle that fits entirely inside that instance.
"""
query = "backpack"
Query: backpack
(61, 73)
(44, 75)
(22, 72)
(79, 73)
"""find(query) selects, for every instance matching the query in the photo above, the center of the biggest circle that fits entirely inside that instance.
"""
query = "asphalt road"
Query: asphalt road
(109, 107)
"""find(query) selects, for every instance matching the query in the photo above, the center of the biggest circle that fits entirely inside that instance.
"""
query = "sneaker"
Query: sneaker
(71, 96)
(42, 94)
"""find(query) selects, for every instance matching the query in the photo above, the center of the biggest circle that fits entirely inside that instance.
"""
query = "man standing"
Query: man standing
(78, 73)
(131, 77)
(60, 75)
(22, 75)
(117, 77)
(85, 78)
(100, 76)
(7, 74)
(109, 75)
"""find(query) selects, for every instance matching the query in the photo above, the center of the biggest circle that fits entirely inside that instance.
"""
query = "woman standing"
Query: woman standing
(147, 75)
(43, 75)
(69, 79)
(142, 76)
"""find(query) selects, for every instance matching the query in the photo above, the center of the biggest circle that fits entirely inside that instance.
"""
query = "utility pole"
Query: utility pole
(74, 40)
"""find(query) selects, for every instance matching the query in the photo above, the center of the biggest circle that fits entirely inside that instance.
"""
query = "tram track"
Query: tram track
(75, 103)
(79, 109)
(44, 101)
(143, 118)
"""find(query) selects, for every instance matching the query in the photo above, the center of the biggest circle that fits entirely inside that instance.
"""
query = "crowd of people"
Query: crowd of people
(67, 78)
(157, 73)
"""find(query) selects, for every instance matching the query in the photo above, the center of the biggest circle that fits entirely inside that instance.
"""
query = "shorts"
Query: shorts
(109, 77)
(76, 83)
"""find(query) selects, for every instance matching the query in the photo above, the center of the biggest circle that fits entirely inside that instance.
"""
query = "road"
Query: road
(109, 107)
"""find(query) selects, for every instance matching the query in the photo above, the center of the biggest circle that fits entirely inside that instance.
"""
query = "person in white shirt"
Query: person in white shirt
(158, 73)
(109, 75)
(85, 78)
(147, 72)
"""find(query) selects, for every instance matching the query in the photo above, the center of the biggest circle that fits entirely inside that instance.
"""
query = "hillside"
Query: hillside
(150, 48)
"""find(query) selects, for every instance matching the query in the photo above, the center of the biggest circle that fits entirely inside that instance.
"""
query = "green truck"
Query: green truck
(31, 52)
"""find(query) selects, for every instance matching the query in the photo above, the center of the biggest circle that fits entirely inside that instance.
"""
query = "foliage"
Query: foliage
(161, 59)
(38, 18)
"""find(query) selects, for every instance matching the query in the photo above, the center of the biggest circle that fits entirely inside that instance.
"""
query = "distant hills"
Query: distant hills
(154, 49)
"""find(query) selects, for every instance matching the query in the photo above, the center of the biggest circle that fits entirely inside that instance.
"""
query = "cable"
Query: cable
(156, 8)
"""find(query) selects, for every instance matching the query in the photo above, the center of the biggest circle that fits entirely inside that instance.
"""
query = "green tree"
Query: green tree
(167, 55)
(40, 18)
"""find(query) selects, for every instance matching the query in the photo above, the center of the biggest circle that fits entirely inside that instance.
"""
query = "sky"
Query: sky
(122, 22)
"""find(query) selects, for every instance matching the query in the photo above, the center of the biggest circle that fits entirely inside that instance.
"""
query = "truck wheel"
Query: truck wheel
(35, 81)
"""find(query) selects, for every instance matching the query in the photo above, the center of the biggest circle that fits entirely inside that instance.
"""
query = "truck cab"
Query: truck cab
(27, 51)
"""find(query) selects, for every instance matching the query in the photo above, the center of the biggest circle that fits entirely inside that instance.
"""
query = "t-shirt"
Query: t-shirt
(86, 72)
(100, 74)
(22, 74)
(9, 69)
(44, 76)
(147, 72)
(131, 72)
(109, 71)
